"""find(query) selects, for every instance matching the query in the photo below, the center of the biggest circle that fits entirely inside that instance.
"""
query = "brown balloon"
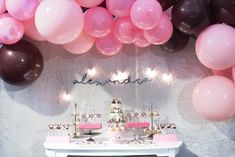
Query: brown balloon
(177, 42)
(191, 16)
(20, 63)
(166, 3)
(224, 11)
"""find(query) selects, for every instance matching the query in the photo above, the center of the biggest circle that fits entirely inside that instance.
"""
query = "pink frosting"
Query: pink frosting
(165, 138)
(138, 124)
(90, 126)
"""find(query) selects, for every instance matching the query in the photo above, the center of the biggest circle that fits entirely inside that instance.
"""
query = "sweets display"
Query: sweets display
(120, 123)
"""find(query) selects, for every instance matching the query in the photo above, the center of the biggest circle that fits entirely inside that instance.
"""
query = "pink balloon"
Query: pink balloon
(81, 44)
(161, 33)
(124, 30)
(108, 45)
(226, 73)
(215, 46)
(59, 22)
(2, 6)
(119, 8)
(89, 3)
(11, 30)
(214, 98)
(22, 9)
(31, 31)
(98, 22)
(146, 14)
(141, 41)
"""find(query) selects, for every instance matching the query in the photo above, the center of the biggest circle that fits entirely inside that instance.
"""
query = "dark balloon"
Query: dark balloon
(191, 16)
(166, 3)
(224, 11)
(20, 63)
(84, 9)
(103, 4)
(177, 42)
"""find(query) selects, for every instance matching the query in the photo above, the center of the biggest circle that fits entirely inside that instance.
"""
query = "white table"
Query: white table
(159, 149)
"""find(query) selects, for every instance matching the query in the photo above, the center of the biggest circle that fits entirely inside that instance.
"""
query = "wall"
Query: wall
(25, 112)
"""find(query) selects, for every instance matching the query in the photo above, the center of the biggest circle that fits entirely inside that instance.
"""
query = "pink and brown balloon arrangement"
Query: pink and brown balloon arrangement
(77, 25)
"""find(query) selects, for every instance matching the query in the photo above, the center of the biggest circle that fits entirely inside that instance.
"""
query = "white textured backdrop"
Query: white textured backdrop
(25, 112)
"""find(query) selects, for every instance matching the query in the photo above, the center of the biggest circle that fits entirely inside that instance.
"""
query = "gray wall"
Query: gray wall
(25, 112)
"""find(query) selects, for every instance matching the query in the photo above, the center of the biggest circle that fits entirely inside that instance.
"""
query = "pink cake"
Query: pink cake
(137, 124)
(90, 126)
(165, 138)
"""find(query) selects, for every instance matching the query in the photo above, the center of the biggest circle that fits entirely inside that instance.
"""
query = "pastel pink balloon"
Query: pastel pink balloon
(31, 31)
(22, 9)
(215, 46)
(226, 73)
(141, 41)
(119, 8)
(146, 14)
(2, 6)
(161, 33)
(89, 3)
(98, 22)
(108, 45)
(124, 30)
(59, 21)
(81, 44)
(213, 98)
(11, 30)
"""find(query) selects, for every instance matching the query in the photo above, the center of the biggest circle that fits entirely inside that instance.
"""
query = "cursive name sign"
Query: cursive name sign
(85, 80)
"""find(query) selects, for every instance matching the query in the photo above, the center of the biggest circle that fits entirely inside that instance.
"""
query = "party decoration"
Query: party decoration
(22, 9)
(215, 47)
(89, 3)
(11, 30)
(85, 80)
(224, 11)
(59, 22)
(108, 45)
(166, 4)
(119, 8)
(20, 63)
(226, 73)
(81, 44)
(146, 14)
(141, 41)
(191, 16)
(31, 31)
(161, 33)
(177, 42)
(2, 6)
(213, 98)
(98, 22)
(124, 30)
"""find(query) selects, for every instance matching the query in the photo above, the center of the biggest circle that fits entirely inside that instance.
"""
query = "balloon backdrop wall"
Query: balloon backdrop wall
(77, 25)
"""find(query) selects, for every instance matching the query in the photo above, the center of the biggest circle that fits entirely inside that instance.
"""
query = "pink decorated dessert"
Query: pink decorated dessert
(58, 139)
(90, 126)
(138, 124)
(165, 138)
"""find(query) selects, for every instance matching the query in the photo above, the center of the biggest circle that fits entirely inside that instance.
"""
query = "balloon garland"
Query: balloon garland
(77, 25)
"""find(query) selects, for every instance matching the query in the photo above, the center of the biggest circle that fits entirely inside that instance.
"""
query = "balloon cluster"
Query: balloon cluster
(213, 96)
(79, 24)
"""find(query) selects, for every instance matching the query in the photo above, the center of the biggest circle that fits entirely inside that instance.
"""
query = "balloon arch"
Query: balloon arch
(77, 25)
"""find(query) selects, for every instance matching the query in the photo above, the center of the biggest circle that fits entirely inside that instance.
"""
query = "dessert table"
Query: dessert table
(107, 149)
